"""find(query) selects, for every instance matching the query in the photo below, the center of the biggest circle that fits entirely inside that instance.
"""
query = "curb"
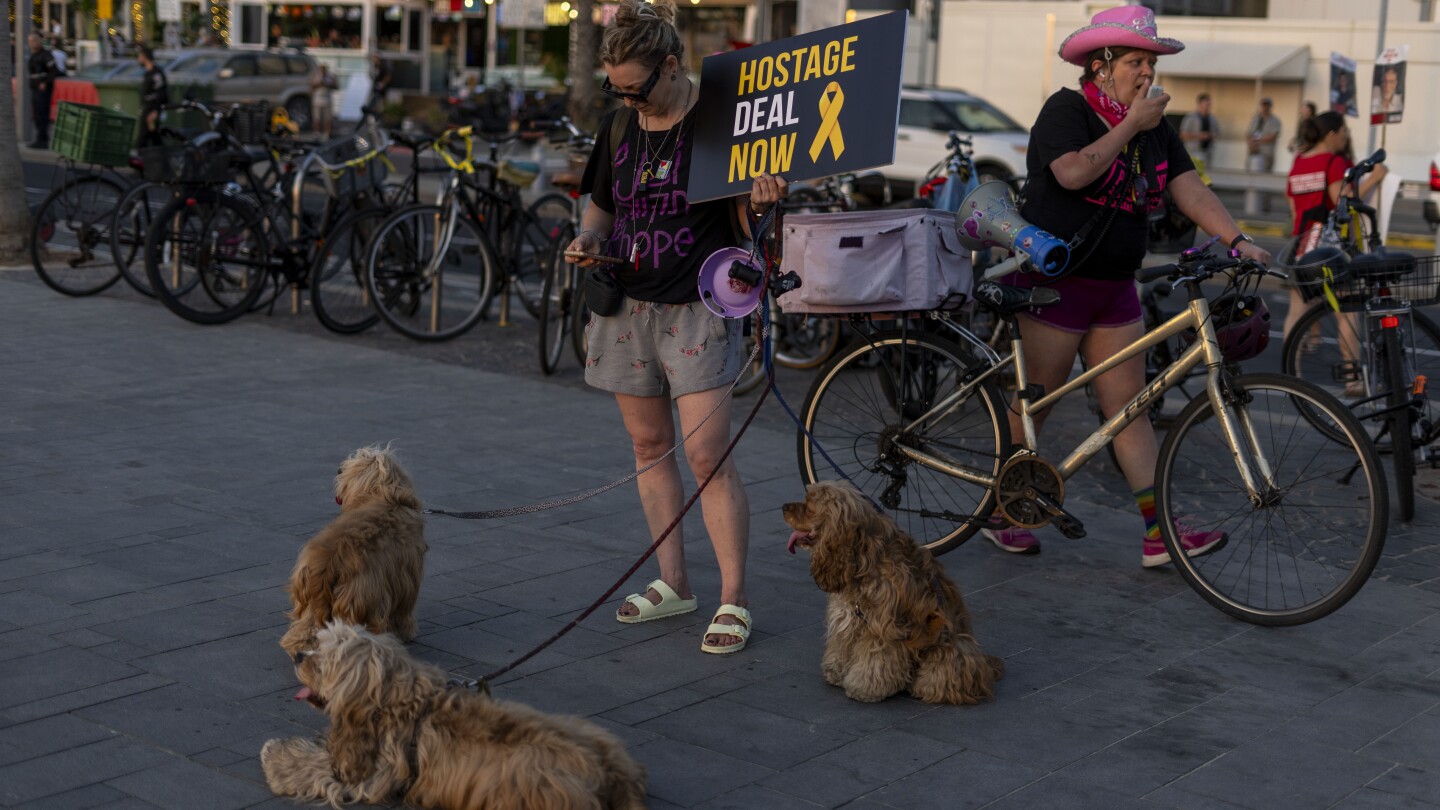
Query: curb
(1403, 240)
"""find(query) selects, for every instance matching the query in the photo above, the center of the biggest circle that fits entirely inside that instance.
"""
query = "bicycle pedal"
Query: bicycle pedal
(1069, 526)
(1346, 371)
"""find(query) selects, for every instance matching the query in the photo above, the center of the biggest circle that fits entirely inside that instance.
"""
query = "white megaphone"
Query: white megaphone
(988, 218)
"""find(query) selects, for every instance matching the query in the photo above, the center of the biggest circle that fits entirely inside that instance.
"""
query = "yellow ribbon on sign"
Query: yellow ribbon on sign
(830, 103)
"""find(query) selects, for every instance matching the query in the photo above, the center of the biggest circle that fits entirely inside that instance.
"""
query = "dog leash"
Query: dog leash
(483, 684)
(590, 493)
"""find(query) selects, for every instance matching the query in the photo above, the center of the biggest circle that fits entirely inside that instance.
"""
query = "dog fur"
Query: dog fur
(895, 621)
(398, 731)
(365, 567)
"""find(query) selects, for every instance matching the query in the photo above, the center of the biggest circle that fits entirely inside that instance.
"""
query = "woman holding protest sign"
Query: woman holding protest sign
(1100, 159)
(654, 342)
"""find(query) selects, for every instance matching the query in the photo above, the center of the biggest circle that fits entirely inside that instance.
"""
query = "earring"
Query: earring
(675, 76)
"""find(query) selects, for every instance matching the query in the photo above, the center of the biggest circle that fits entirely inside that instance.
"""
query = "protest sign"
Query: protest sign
(1387, 97)
(807, 106)
(1342, 85)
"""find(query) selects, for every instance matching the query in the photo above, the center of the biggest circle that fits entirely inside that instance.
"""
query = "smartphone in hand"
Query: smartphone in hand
(1155, 91)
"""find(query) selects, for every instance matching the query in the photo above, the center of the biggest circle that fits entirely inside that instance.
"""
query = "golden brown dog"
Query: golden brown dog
(398, 731)
(365, 567)
(895, 621)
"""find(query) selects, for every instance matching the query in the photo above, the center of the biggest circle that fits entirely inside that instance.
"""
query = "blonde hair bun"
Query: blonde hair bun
(642, 32)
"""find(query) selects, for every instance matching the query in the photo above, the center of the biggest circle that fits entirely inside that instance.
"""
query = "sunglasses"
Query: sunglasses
(638, 98)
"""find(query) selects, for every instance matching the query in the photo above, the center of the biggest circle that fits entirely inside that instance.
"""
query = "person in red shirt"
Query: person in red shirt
(1314, 186)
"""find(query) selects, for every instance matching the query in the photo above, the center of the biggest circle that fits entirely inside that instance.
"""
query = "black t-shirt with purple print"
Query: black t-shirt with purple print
(1067, 124)
(670, 238)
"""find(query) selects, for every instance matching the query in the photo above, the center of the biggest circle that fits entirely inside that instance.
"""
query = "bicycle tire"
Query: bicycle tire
(1402, 454)
(401, 279)
(580, 324)
(854, 412)
(1320, 362)
(536, 237)
(753, 376)
(208, 257)
(804, 341)
(69, 224)
(337, 275)
(1279, 550)
(557, 296)
(134, 217)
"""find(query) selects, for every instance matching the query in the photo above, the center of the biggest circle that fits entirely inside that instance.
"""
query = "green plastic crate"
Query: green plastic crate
(88, 134)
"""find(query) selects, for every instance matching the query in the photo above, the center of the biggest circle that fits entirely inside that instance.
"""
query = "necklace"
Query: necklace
(654, 166)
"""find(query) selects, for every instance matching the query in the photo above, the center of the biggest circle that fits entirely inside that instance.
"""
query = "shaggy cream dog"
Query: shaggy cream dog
(397, 730)
(365, 567)
(895, 621)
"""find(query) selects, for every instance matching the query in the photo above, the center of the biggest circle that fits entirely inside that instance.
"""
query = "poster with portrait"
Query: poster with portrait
(1342, 85)
(1387, 95)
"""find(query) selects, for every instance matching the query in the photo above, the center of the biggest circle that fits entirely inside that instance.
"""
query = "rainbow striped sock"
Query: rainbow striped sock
(1145, 499)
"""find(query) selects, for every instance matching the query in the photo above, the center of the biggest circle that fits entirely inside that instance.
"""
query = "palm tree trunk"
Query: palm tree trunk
(583, 60)
(14, 210)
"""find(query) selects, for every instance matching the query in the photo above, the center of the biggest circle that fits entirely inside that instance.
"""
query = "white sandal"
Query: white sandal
(670, 604)
(740, 631)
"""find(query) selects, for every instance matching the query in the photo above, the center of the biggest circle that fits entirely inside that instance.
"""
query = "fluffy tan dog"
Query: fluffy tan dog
(365, 567)
(398, 731)
(895, 621)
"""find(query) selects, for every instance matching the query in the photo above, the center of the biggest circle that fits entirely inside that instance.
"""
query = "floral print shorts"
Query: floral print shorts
(650, 350)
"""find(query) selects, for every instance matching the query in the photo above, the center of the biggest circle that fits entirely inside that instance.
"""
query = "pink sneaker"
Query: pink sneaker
(1197, 543)
(1009, 538)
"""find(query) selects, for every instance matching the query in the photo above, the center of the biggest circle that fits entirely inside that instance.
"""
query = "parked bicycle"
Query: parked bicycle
(70, 237)
(916, 420)
(216, 249)
(1363, 338)
(433, 269)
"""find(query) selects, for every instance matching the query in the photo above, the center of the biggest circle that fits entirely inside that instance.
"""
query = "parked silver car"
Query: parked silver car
(279, 77)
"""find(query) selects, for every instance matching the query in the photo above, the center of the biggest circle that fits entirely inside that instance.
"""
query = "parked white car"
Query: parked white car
(928, 114)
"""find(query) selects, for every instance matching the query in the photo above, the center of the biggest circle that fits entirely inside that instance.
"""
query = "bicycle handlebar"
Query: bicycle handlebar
(1202, 266)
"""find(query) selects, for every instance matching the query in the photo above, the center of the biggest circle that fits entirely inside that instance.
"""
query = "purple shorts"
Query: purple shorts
(1085, 303)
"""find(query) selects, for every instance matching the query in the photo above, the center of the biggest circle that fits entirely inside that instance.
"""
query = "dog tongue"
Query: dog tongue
(304, 693)
(795, 537)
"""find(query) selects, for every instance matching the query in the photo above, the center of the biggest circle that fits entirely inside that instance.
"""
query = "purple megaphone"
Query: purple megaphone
(729, 284)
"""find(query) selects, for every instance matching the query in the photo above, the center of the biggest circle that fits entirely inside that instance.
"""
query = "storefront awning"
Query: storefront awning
(1246, 61)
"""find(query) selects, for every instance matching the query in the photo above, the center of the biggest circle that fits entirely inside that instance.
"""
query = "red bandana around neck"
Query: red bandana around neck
(1108, 108)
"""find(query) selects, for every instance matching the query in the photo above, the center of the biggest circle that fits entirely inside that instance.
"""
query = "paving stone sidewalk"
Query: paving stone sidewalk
(157, 480)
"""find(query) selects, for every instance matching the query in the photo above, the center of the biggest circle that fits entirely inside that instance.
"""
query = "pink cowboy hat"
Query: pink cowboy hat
(1124, 27)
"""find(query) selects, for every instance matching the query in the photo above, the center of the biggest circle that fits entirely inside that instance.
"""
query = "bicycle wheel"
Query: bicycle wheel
(429, 281)
(857, 411)
(208, 257)
(337, 275)
(134, 217)
(804, 341)
(557, 295)
(531, 254)
(753, 376)
(1397, 383)
(1333, 351)
(580, 324)
(1316, 533)
(69, 225)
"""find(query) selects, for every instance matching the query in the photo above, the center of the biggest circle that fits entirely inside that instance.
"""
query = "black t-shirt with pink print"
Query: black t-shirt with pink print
(1067, 124)
(663, 237)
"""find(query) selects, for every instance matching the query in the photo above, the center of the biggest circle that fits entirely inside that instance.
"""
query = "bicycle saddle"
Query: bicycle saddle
(1008, 300)
(1383, 263)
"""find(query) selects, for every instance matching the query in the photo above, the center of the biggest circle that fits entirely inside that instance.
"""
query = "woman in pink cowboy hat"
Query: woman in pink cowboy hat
(1100, 158)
